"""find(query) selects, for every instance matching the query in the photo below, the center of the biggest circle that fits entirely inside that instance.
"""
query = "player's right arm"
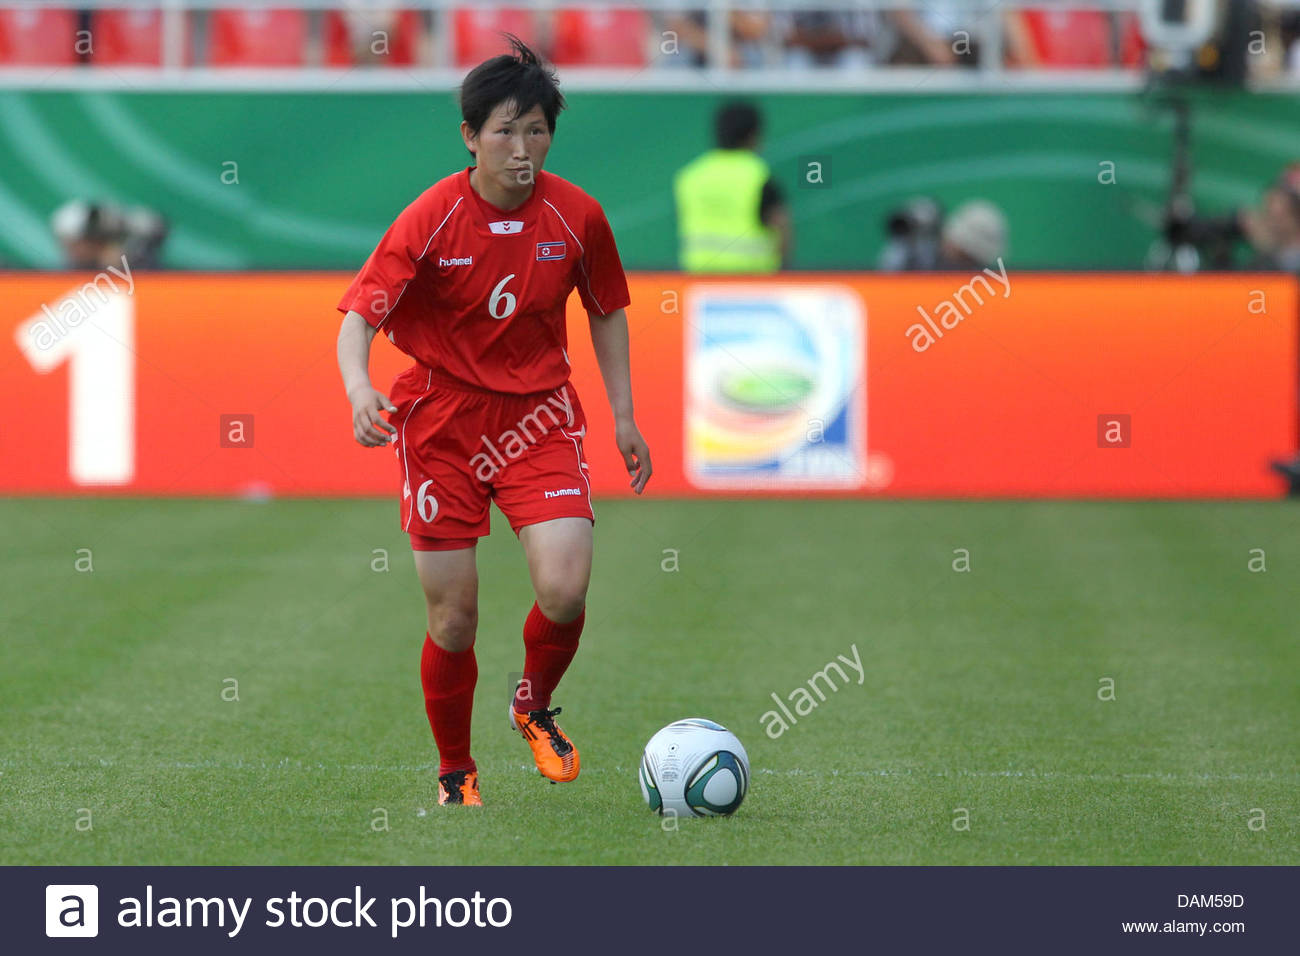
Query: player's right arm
(370, 303)
(368, 426)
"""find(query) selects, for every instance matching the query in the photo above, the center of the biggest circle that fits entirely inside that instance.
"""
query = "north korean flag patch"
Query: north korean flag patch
(550, 250)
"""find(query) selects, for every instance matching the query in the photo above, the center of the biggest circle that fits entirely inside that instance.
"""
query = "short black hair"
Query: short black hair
(735, 123)
(519, 77)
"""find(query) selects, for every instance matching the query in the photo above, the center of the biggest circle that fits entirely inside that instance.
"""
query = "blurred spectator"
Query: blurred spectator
(690, 29)
(96, 235)
(731, 216)
(941, 33)
(1273, 231)
(92, 234)
(1190, 242)
(1289, 29)
(1273, 228)
(829, 38)
(913, 237)
(921, 239)
(973, 237)
(146, 232)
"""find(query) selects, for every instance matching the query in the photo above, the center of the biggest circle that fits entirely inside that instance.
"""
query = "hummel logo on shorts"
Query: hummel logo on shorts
(563, 491)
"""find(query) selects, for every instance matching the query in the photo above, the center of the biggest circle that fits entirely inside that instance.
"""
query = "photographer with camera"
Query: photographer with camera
(1273, 231)
(922, 239)
(1192, 243)
(1273, 228)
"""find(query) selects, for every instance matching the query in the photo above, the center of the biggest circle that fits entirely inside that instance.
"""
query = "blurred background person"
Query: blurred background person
(921, 238)
(1288, 29)
(830, 38)
(973, 237)
(1270, 232)
(731, 215)
(1273, 227)
(96, 235)
(748, 29)
(912, 231)
(146, 234)
(937, 34)
(92, 235)
(1273, 231)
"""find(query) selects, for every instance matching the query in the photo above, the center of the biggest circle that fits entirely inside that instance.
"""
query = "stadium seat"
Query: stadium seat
(38, 37)
(402, 40)
(1132, 48)
(1081, 39)
(475, 33)
(600, 37)
(131, 38)
(257, 37)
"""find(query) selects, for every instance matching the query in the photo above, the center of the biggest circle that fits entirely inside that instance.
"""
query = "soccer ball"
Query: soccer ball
(694, 767)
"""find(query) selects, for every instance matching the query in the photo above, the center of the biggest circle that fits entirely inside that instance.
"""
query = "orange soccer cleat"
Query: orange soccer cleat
(556, 757)
(459, 787)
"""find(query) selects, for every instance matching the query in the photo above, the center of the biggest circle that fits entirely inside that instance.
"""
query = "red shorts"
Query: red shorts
(460, 448)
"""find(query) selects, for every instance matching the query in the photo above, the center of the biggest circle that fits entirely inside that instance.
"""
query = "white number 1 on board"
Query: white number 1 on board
(95, 334)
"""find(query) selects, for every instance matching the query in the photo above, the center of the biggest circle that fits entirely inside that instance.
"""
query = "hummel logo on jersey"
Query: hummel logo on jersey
(466, 261)
(550, 250)
(561, 492)
(506, 227)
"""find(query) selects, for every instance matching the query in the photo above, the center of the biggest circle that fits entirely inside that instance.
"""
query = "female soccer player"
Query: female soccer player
(471, 282)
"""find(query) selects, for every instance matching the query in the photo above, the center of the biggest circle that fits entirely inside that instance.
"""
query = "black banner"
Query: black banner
(195, 910)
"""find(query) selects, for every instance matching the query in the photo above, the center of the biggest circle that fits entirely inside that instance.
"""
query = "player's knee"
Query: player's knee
(453, 625)
(562, 601)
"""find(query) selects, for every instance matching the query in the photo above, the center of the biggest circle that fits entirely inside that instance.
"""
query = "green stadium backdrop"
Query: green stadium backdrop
(319, 175)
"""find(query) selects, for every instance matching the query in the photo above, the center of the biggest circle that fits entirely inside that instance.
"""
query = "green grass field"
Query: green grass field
(981, 689)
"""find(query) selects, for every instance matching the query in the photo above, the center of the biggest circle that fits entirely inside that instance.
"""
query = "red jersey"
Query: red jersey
(477, 294)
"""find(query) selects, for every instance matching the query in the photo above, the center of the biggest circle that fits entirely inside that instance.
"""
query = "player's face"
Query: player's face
(509, 149)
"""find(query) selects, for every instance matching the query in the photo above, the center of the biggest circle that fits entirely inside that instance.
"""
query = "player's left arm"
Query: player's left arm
(610, 342)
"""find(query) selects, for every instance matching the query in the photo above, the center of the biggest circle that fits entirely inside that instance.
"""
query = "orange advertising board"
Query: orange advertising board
(811, 384)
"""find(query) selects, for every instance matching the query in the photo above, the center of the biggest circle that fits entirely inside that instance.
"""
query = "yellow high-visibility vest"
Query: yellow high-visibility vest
(717, 198)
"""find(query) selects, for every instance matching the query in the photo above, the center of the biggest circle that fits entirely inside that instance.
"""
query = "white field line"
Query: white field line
(881, 772)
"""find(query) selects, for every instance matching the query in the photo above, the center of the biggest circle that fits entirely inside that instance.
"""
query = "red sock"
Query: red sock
(449, 680)
(548, 649)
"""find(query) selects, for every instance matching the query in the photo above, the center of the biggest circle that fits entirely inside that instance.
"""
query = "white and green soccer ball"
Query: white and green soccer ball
(694, 767)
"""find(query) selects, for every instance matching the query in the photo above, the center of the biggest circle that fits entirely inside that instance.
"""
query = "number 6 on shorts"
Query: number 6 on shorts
(426, 505)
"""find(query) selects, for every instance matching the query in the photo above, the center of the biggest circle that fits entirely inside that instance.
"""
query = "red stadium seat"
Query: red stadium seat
(402, 41)
(600, 37)
(476, 33)
(257, 37)
(1081, 39)
(131, 38)
(1132, 48)
(38, 37)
